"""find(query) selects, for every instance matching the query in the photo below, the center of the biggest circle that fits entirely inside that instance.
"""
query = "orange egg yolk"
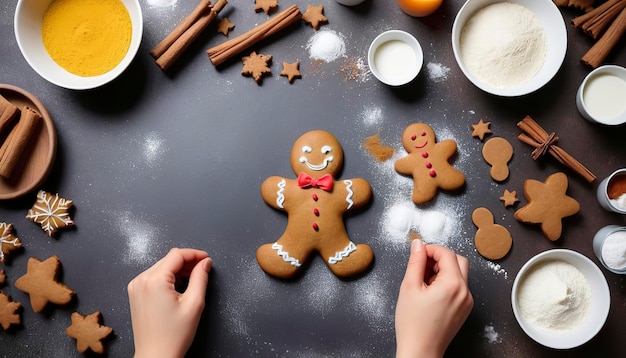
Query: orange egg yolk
(419, 8)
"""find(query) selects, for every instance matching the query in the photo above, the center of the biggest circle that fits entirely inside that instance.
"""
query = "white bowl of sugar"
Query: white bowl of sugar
(395, 57)
(509, 48)
(560, 298)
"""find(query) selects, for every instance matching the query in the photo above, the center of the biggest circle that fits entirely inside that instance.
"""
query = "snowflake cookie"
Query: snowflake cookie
(8, 242)
(51, 212)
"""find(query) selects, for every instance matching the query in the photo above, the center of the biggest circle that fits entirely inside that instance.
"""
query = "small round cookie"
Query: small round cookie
(498, 152)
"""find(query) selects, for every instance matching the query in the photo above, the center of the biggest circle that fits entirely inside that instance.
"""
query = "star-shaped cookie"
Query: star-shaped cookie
(51, 212)
(314, 15)
(509, 198)
(265, 5)
(256, 65)
(291, 71)
(88, 332)
(224, 26)
(8, 311)
(40, 282)
(8, 242)
(480, 129)
(547, 204)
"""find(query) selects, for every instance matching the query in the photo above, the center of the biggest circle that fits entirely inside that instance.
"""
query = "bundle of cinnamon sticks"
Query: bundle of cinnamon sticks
(173, 45)
(535, 136)
(606, 24)
(16, 136)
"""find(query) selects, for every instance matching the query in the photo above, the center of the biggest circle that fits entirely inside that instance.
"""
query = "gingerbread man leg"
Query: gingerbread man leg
(345, 258)
(280, 259)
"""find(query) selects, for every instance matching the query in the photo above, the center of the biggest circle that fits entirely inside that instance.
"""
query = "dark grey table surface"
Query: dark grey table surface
(155, 160)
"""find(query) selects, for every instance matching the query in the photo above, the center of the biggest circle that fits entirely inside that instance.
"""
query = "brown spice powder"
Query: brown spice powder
(379, 151)
(617, 186)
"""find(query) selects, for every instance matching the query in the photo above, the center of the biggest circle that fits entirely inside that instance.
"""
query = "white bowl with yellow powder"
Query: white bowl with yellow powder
(78, 44)
(560, 298)
(509, 48)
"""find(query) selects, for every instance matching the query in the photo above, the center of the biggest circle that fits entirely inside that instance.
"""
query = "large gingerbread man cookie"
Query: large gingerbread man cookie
(428, 163)
(315, 203)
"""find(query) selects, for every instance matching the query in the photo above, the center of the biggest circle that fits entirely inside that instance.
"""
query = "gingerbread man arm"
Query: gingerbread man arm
(446, 148)
(358, 192)
(404, 165)
(273, 191)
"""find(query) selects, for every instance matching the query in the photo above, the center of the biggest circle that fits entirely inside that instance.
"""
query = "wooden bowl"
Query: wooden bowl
(36, 164)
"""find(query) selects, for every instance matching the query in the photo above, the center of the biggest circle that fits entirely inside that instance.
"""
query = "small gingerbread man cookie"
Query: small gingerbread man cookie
(315, 203)
(428, 163)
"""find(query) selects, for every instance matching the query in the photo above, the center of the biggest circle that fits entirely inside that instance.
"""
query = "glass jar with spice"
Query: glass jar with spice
(611, 192)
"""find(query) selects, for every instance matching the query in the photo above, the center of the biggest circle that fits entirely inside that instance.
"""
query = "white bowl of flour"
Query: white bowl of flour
(509, 48)
(560, 298)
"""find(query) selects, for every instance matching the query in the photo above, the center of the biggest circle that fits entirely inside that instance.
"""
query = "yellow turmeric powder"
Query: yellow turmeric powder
(86, 37)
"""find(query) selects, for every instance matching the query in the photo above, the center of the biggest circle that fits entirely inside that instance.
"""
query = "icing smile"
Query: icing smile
(317, 167)
(421, 146)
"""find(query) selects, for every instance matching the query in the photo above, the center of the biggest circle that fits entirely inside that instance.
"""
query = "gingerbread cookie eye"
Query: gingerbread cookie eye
(326, 149)
(306, 149)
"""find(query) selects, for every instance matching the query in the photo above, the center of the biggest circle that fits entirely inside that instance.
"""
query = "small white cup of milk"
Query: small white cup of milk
(601, 97)
(395, 57)
(609, 245)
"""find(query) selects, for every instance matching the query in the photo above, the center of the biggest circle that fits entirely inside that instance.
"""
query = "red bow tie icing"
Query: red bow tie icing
(325, 182)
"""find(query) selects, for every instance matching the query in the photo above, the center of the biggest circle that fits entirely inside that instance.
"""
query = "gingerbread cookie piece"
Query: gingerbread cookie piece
(291, 71)
(480, 129)
(492, 241)
(88, 332)
(9, 311)
(315, 203)
(265, 5)
(428, 163)
(256, 65)
(509, 198)
(314, 16)
(547, 205)
(41, 283)
(224, 26)
(3, 278)
(51, 212)
(8, 241)
(498, 153)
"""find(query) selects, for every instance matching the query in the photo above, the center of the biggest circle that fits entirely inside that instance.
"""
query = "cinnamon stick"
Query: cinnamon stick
(535, 136)
(601, 49)
(588, 16)
(24, 129)
(7, 112)
(596, 26)
(162, 46)
(222, 52)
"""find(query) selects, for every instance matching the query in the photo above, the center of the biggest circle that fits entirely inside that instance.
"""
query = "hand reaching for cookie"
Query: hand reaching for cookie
(165, 321)
(434, 301)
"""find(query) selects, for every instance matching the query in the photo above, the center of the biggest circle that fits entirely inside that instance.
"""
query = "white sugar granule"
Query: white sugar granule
(372, 115)
(554, 295)
(497, 269)
(161, 3)
(153, 149)
(503, 45)
(437, 72)
(326, 45)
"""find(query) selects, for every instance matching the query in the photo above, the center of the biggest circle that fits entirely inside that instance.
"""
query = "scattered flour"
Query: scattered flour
(497, 269)
(437, 72)
(153, 149)
(141, 237)
(161, 3)
(491, 335)
(326, 45)
(372, 115)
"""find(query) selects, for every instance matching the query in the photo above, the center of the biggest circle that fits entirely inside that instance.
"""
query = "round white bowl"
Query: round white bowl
(413, 69)
(612, 70)
(556, 41)
(600, 302)
(28, 17)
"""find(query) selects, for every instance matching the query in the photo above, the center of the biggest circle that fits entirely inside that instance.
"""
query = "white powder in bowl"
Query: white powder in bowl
(554, 295)
(503, 45)
(614, 250)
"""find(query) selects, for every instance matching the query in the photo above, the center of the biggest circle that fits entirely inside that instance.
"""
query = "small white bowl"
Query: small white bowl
(602, 193)
(553, 24)
(600, 301)
(27, 25)
(590, 91)
(395, 57)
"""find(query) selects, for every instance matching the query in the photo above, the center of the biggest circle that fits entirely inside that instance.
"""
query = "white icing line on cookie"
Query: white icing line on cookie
(339, 255)
(285, 255)
(280, 193)
(317, 167)
(350, 193)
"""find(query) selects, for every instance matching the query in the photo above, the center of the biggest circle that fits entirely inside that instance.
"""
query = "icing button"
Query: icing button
(316, 212)
(429, 165)
(432, 173)
(424, 154)
(315, 227)
(315, 197)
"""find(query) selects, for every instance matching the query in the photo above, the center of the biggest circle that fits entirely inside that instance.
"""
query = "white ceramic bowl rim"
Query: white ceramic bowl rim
(27, 27)
(404, 37)
(615, 70)
(599, 311)
(553, 23)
